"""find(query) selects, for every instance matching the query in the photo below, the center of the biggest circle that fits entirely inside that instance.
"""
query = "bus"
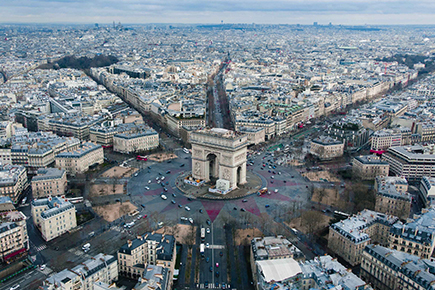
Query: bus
(202, 234)
(141, 158)
(340, 214)
(75, 199)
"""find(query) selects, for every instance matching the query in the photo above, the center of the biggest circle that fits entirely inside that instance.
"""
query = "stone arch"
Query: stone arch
(239, 175)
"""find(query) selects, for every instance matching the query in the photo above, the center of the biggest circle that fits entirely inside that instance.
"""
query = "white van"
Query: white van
(86, 247)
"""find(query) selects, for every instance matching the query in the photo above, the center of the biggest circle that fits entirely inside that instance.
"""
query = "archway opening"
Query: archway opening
(239, 175)
(212, 166)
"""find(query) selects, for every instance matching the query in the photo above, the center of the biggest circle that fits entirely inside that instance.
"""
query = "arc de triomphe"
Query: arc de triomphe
(219, 154)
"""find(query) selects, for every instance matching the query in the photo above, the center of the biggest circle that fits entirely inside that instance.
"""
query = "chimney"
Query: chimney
(129, 243)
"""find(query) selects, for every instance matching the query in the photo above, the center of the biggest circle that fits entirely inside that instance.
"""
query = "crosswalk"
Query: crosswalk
(211, 286)
(41, 248)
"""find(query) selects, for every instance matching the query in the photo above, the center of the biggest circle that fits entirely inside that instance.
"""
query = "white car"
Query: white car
(272, 177)
(149, 181)
(207, 245)
(276, 190)
(42, 267)
(15, 287)
(163, 197)
(147, 188)
(183, 218)
(135, 174)
(187, 208)
(208, 230)
(191, 220)
(163, 178)
(157, 178)
(279, 172)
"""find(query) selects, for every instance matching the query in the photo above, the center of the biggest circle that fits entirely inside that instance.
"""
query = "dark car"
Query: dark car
(189, 198)
(217, 275)
(173, 201)
(267, 206)
(221, 254)
(149, 167)
(211, 269)
(200, 211)
(271, 181)
(206, 284)
(285, 181)
(180, 206)
(174, 195)
(223, 285)
(245, 200)
(216, 284)
(162, 184)
(235, 208)
(165, 189)
(207, 259)
(208, 222)
(169, 161)
(242, 209)
(182, 165)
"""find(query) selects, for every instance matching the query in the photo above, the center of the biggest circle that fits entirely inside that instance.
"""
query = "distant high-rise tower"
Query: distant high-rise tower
(315, 23)
(222, 22)
(113, 24)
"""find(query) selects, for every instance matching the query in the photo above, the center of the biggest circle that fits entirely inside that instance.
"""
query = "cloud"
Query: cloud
(173, 11)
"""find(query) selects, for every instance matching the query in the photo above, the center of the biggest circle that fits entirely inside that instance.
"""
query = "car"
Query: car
(169, 171)
(207, 259)
(182, 165)
(42, 267)
(180, 206)
(158, 181)
(169, 161)
(271, 181)
(174, 195)
(207, 245)
(245, 200)
(217, 275)
(157, 178)
(208, 222)
(165, 189)
(135, 175)
(208, 230)
(221, 254)
(149, 181)
(216, 284)
(162, 184)
(167, 182)
(163, 197)
(293, 176)
(242, 209)
(189, 199)
(266, 206)
(183, 218)
(273, 172)
(285, 181)
(262, 168)
(173, 201)
(211, 269)
(163, 178)
(201, 211)
(15, 287)
(269, 171)
(206, 285)
(191, 220)
(160, 173)
(147, 188)
(306, 186)
(145, 216)
(187, 208)
(276, 190)
(217, 265)
(235, 208)
(224, 286)
(279, 172)
(272, 177)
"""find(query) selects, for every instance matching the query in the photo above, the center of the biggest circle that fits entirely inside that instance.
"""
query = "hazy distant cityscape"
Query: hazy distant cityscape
(221, 156)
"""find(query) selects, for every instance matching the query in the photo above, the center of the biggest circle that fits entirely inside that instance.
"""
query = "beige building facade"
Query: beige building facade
(53, 216)
(135, 142)
(79, 160)
(13, 180)
(14, 240)
(368, 167)
(326, 148)
(49, 181)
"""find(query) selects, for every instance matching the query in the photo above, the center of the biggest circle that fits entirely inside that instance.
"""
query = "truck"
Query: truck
(86, 247)
(202, 234)
(201, 249)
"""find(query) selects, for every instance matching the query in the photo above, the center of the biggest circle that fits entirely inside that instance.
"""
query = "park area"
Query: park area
(160, 157)
(321, 176)
(327, 196)
(119, 172)
(113, 212)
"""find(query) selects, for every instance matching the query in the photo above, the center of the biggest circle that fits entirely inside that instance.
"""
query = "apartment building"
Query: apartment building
(5, 156)
(326, 148)
(426, 131)
(148, 249)
(349, 237)
(411, 162)
(392, 196)
(388, 269)
(14, 240)
(154, 278)
(176, 123)
(13, 180)
(53, 216)
(79, 160)
(49, 181)
(257, 122)
(367, 167)
(386, 138)
(89, 275)
(128, 142)
(427, 190)
(416, 236)
(255, 135)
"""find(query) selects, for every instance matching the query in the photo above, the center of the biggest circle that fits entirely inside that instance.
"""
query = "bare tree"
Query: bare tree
(311, 220)
(124, 209)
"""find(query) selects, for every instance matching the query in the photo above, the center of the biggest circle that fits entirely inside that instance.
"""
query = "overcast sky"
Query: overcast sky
(353, 12)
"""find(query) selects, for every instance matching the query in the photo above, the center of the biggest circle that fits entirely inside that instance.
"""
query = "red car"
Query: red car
(144, 216)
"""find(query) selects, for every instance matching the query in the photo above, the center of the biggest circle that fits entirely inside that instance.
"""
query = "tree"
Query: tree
(124, 209)
(311, 220)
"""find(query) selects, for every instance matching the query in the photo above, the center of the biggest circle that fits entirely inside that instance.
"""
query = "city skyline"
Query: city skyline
(384, 12)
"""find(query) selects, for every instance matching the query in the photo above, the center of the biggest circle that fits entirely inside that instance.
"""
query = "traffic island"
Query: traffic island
(200, 189)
